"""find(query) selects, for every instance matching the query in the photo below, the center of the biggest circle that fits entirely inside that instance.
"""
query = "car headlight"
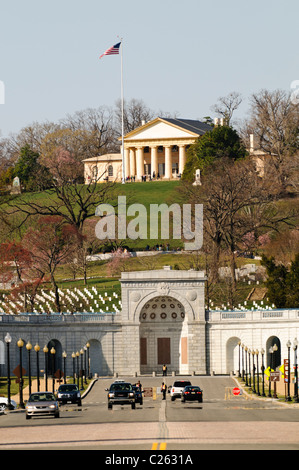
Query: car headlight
(52, 406)
(78, 395)
(131, 394)
(111, 395)
(30, 408)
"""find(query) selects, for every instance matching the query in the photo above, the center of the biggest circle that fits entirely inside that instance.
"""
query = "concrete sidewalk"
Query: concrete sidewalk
(42, 387)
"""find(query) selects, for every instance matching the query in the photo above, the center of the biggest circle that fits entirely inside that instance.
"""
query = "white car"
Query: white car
(177, 388)
(4, 404)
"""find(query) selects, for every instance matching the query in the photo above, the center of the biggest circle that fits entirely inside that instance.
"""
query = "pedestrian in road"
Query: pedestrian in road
(163, 388)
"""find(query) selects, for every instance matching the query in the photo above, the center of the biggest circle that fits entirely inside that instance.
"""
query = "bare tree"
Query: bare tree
(94, 129)
(135, 113)
(275, 121)
(227, 105)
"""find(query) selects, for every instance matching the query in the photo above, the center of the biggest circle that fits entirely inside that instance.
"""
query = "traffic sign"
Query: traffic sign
(236, 391)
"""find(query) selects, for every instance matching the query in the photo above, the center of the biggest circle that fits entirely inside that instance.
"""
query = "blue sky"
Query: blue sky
(178, 56)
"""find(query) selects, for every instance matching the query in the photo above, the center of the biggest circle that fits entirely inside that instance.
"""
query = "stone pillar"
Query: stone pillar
(168, 163)
(182, 158)
(127, 163)
(132, 162)
(140, 163)
(154, 161)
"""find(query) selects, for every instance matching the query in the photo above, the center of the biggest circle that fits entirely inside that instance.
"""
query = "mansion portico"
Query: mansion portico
(156, 149)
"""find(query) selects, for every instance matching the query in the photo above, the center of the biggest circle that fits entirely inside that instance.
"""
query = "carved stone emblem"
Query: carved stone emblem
(163, 288)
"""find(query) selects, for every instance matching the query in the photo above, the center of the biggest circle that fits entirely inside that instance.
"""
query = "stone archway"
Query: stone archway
(163, 335)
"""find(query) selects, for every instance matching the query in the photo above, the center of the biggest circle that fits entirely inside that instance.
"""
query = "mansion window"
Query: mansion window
(110, 170)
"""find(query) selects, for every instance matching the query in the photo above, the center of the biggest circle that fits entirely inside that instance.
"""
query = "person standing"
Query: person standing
(163, 388)
(164, 370)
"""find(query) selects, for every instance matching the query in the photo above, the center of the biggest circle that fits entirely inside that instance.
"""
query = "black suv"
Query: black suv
(121, 393)
(69, 393)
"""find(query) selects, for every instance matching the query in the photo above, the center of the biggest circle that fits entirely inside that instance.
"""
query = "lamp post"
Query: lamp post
(246, 372)
(85, 369)
(20, 344)
(29, 347)
(257, 372)
(263, 373)
(7, 340)
(37, 349)
(46, 350)
(242, 361)
(52, 351)
(74, 356)
(271, 354)
(295, 346)
(275, 348)
(249, 352)
(77, 356)
(88, 359)
(253, 371)
(288, 398)
(239, 344)
(64, 355)
(81, 365)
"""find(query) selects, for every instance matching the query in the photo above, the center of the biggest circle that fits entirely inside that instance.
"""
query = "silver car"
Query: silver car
(42, 404)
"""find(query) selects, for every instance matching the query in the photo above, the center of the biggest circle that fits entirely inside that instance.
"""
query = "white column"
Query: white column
(140, 163)
(168, 163)
(154, 161)
(182, 158)
(127, 162)
(132, 162)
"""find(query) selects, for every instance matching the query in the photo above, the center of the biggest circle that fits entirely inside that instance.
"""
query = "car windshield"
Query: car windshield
(68, 388)
(192, 389)
(42, 397)
(121, 386)
(181, 384)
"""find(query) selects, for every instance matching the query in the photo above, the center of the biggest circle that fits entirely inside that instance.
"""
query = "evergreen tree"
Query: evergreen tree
(220, 142)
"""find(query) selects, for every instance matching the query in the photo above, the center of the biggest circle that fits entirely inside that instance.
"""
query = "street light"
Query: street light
(249, 352)
(29, 347)
(295, 346)
(85, 369)
(271, 357)
(20, 344)
(77, 356)
(242, 361)
(288, 398)
(64, 355)
(253, 371)
(246, 373)
(7, 340)
(88, 359)
(37, 349)
(81, 364)
(46, 350)
(263, 372)
(52, 351)
(74, 356)
(239, 344)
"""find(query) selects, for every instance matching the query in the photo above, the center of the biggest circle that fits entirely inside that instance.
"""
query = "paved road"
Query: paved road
(220, 422)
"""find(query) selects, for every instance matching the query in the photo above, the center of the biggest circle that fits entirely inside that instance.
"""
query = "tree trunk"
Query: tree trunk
(57, 298)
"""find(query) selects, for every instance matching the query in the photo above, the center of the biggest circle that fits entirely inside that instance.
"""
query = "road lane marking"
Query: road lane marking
(162, 446)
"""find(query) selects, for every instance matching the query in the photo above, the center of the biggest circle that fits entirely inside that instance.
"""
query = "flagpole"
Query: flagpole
(122, 117)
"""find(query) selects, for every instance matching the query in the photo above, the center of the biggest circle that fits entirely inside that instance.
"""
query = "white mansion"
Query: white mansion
(156, 149)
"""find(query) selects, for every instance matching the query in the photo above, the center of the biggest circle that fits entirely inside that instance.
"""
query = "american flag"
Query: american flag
(112, 50)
